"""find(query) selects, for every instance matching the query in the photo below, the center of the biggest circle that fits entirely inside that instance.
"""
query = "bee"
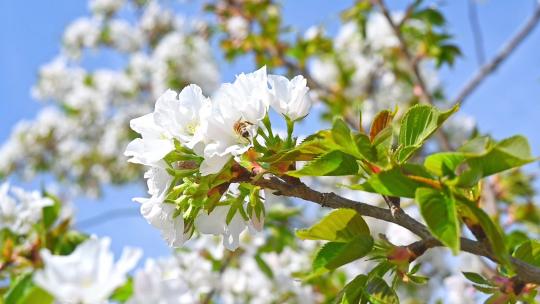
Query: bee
(241, 128)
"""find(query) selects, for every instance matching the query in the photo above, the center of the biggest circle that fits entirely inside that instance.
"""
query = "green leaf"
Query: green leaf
(378, 292)
(24, 291)
(477, 278)
(335, 163)
(342, 135)
(417, 125)
(313, 146)
(18, 288)
(469, 211)
(396, 181)
(483, 157)
(529, 252)
(124, 292)
(444, 163)
(340, 225)
(68, 242)
(357, 145)
(263, 266)
(439, 211)
(429, 15)
(36, 295)
(51, 213)
(508, 153)
(352, 292)
(514, 239)
(335, 254)
(382, 144)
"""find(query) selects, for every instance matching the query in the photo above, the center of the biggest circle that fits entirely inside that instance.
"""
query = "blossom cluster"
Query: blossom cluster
(374, 75)
(89, 275)
(20, 210)
(81, 134)
(212, 131)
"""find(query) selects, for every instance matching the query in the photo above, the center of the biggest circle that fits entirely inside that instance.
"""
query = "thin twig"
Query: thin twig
(107, 216)
(476, 31)
(488, 68)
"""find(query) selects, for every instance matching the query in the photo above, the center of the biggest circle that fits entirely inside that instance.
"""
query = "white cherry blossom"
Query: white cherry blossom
(88, 275)
(162, 282)
(183, 115)
(105, 7)
(215, 223)
(161, 215)
(237, 110)
(155, 143)
(289, 97)
(21, 210)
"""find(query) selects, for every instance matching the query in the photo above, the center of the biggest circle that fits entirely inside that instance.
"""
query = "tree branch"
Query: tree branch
(488, 68)
(526, 272)
(108, 216)
(476, 31)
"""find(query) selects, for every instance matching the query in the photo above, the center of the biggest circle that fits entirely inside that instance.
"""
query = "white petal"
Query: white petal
(213, 164)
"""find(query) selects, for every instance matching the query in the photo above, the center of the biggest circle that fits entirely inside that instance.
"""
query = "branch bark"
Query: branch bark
(526, 272)
(488, 68)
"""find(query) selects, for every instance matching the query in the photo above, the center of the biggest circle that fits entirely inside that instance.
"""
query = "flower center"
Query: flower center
(192, 127)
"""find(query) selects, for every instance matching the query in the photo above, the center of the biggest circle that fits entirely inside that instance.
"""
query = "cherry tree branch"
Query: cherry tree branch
(476, 32)
(108, 215)
(489, 67)
(525, 271)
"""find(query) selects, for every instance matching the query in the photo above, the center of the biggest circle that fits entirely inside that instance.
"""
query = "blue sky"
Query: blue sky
(507, 103)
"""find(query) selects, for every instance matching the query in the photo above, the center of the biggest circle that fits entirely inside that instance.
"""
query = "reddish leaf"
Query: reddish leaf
(381, 121)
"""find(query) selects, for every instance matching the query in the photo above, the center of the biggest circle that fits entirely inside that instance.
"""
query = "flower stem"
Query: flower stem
(290, 128)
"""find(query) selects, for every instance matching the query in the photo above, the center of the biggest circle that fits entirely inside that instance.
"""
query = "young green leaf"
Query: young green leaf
(311, 147)
(529, 252)
(509, 153)
(352, 292)
(398, 181)
(357, 145)
(469, 211)
(417, 125)
(335, 163)
(439, 211)
(24, 291)
(378, 292)
(444, 163)
(340, 225)
(335, 254)
(483, 157)
(124, 292)
(476, 278)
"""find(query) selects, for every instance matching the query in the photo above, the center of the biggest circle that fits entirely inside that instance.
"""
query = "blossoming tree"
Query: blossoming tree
(402, 184)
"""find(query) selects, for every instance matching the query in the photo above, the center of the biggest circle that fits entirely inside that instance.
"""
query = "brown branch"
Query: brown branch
(488, 68)
(525, 271)
(412, 62)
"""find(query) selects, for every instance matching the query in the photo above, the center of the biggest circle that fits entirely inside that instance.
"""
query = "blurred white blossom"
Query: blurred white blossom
(88, 275)
(20, 210)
